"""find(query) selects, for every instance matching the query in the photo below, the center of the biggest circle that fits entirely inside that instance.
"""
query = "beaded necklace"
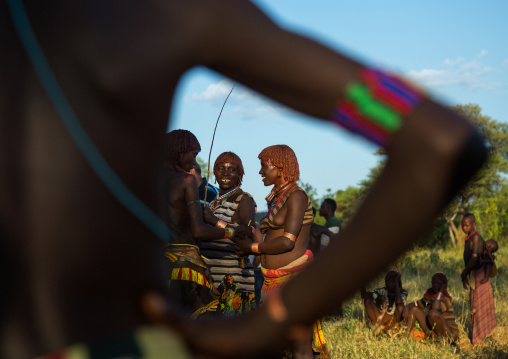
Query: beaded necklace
(274, 195)
(473, 232)
(219, 199)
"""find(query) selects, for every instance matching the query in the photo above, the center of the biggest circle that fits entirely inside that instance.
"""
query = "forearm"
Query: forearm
(470, 265)
(206, 232)
(276, 246)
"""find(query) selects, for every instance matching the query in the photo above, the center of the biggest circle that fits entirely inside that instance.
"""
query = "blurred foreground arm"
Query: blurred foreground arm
(430, 157)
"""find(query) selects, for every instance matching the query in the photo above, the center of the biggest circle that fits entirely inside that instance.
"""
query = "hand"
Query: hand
(208, 216)
(463, 276)
(443, 288)
(398, 277)
(465, 284)
(243, 231)
(243, 247)
(210, 338)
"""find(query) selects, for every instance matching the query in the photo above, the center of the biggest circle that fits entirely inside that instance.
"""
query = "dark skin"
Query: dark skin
(473, 248)
(438, 325)
(316, 231)
(228, 178)
(51, 202)
(277, 250)
(381, 318)
(325, 211)
(186, 221)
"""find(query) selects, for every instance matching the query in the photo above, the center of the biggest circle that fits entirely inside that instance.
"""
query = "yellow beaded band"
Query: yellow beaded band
(229, 233)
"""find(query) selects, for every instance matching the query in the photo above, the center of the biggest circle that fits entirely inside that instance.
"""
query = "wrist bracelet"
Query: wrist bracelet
(221, 224)
(254, 248)
(229, 233)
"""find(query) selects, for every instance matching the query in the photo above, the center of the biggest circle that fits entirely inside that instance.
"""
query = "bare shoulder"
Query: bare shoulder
(246, 200)
(298, 196)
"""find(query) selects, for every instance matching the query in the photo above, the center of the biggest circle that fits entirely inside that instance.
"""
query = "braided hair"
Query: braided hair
(284, 158)
(178, 142)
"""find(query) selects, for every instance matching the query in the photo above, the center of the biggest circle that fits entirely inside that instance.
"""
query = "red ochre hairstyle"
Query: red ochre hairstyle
(229, 157)
(178, 142)
(284, 158)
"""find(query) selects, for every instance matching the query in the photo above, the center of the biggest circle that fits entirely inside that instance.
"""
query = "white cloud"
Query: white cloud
(214, 92)
(471, 75)
(505, 61)
(244, 102)
(481, 54)
(453, 62)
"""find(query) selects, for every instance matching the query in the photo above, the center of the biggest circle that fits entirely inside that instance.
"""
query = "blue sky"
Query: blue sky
(457, 50)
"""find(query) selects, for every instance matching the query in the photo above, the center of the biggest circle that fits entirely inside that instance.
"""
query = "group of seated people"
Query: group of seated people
(432, 315)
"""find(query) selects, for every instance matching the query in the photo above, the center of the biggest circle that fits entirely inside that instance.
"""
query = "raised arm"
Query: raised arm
(296, 205)
(431, 155)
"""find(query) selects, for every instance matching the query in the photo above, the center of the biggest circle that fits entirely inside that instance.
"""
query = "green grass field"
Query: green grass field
(349, 337)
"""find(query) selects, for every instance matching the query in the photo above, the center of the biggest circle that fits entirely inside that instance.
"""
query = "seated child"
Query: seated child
(440, 319)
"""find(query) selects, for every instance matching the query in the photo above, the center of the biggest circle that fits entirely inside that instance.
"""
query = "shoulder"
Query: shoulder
(298, 195)
(333, 222)
(188, 180)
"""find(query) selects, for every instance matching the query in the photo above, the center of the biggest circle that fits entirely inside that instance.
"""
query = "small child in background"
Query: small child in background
(488, 260)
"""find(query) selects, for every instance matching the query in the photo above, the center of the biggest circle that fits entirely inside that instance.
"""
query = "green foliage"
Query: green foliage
(204, 169)
(311, 192)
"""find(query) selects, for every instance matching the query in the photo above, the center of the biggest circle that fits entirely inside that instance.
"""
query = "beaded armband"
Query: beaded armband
(229, 233)
(289, 236)
(192, 202)
(375, 104)
(221, 224)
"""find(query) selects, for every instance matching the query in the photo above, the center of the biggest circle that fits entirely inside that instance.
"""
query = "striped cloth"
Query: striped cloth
(482, 308)
(146, 343)
(220, 254)
(275, 279)
(190, 283)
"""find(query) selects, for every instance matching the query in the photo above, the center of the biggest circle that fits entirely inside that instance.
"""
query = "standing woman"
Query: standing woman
(286, 228)
(233, 275)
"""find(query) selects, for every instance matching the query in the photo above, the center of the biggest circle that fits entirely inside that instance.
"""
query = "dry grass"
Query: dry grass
(350, 338)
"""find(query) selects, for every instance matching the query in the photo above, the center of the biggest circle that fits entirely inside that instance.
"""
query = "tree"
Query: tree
(204, 169)
(481, 194)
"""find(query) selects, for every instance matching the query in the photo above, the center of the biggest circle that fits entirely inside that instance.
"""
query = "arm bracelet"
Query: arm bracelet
(254, 248)
(221, 224)
(289, 236)
(229, 233)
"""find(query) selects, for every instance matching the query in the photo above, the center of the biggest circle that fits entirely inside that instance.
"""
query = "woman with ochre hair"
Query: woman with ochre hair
(233, 275)
(286, 228)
